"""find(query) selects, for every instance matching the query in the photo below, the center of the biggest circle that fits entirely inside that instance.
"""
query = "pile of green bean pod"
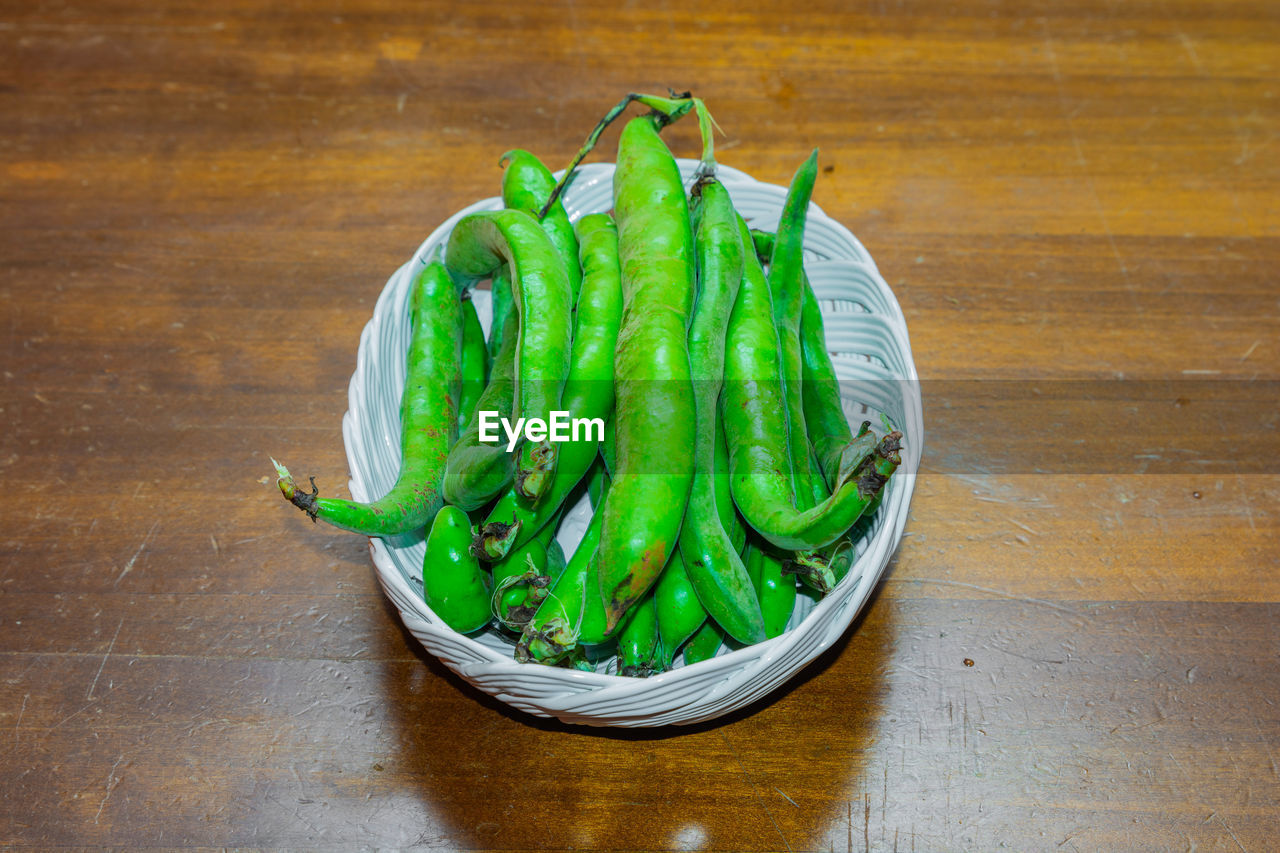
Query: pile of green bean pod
(684, 354)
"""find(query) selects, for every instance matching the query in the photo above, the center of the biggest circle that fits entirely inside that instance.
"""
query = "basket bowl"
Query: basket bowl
(867, 337)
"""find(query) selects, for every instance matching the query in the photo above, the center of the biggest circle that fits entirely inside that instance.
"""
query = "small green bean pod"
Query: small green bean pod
(476, 470)
(786, 287)
(527, 185)
(680, 613)
(775, 586)
(475, 362)
(704, 643)
(572, 614)
(456, 587)
(639, 646)
(428, 421)
(500, 291)
(837, 452)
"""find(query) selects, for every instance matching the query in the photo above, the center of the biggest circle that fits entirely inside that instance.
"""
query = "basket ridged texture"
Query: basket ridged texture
(867, 337)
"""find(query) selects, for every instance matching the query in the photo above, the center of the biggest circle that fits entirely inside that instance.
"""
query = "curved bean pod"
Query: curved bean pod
(838, 454)
(711, 560)
(527, 185)
(588, 391)
(479, 245)
(759, 450)
(428, 421)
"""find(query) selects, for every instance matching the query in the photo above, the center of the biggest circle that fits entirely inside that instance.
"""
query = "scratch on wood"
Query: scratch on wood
(1024, 527)
(756, 789)
(89, 696)
(866, 822)
(128, 567)
(18, 725)
(1248, 508)
(112, 781)
(1229, 830)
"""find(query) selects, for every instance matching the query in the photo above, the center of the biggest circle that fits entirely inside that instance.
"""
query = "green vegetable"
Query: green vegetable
(654, 418)
(588, 391)
(475, 363)
(476, 471)
(680, 613)
(710, 556)
(478, 246)
(759, 449)
(454, 585)
(428, 421)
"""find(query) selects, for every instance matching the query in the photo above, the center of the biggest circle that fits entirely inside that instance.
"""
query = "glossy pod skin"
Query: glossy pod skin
(500, 289)
(704, 643)
(759, 450)
(588, 391)
(428, 420)
(475, 362)
(456, 587)
(729, 518)
(837, 454)
(786, 287)
(476, 471)
(654, 413)
(478, 246)
(710, 557)
(774, 586)
(639, 649)
(527, 185)
(680, 613)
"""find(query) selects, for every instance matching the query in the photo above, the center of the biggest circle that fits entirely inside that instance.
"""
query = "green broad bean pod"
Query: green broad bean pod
(475, 363)
(454, 584)
(478, 246)
(759, 448)
(588, 392)
(428, 421)
(655, 409)
(475, 470)
(711, 560)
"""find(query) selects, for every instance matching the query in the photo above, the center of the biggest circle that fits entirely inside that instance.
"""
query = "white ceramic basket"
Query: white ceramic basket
(867, 337)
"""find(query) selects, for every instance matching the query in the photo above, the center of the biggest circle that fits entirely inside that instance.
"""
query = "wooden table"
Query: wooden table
(200, 203)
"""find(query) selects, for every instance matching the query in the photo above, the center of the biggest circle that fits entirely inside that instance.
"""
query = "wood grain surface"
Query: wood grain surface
(199, 204)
